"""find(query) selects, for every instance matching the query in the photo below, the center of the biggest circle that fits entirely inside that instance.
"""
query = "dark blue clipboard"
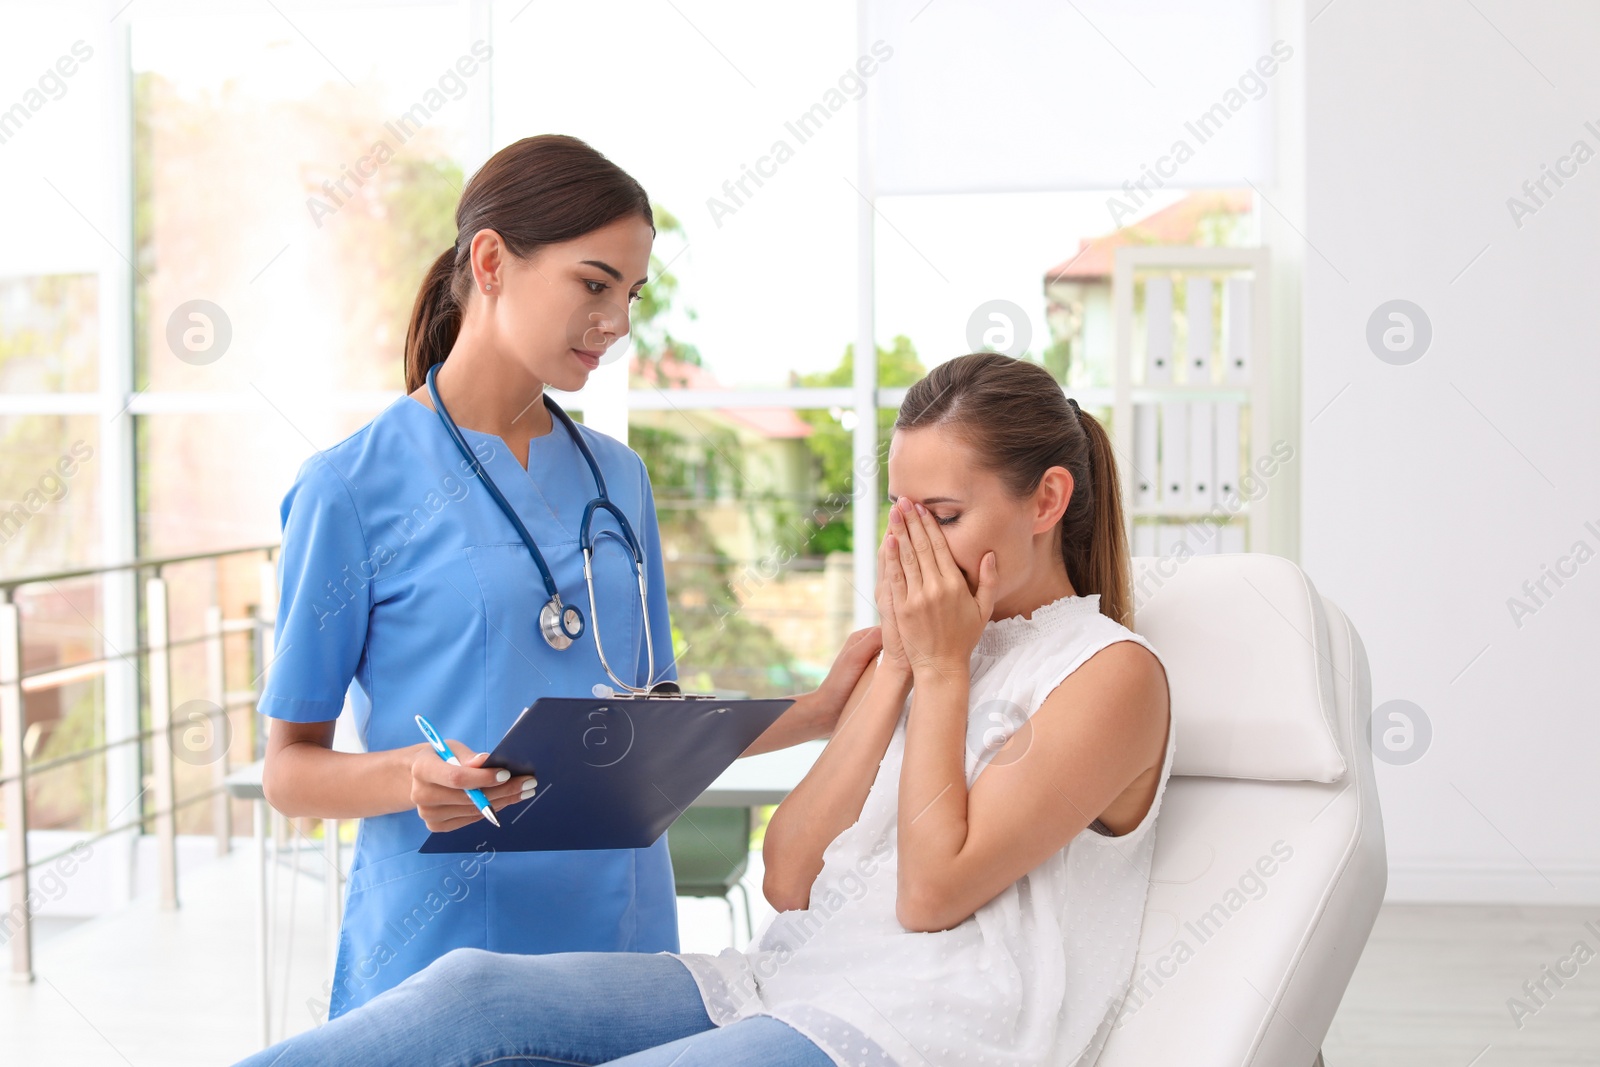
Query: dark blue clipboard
(612, 773)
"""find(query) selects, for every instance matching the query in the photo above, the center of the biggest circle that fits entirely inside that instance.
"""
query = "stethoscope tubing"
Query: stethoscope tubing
(586, 540)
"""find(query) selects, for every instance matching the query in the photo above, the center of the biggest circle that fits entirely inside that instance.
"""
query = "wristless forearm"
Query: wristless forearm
(799, 723)
(933, 786)
(830, 797)
(307, 780)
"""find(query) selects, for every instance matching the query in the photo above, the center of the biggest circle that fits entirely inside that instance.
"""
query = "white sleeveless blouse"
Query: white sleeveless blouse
(1035, 976)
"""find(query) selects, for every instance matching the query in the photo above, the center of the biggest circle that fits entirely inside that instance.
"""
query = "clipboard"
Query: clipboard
(614, 772)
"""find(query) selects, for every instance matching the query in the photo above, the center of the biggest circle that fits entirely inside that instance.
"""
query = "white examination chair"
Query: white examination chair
(1269, 864)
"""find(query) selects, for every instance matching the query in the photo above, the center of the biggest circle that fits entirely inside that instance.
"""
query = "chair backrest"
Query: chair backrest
(1269, 864)
(710, 849)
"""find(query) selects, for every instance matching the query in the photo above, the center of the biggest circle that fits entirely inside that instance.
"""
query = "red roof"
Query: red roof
(772, 423)
(1174, 224)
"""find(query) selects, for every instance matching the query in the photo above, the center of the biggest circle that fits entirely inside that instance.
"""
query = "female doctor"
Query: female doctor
(435, 558)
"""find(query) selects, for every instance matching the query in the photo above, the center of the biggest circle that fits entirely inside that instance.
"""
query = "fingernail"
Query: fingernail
(483, 755)
(894, 514)
(921, 510)
(502, 775)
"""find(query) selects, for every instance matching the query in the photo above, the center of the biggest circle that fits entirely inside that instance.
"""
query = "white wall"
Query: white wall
(1432, 491)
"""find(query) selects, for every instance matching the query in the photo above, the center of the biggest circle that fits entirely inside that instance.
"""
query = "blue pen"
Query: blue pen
(450, 757)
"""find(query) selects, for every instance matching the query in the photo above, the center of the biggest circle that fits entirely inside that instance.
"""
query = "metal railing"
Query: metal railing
(154, 653)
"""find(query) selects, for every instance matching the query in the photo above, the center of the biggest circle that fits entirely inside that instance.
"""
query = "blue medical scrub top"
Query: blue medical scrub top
(400, 574)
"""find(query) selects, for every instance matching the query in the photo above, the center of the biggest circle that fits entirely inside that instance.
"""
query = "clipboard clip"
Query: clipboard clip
(662, 690)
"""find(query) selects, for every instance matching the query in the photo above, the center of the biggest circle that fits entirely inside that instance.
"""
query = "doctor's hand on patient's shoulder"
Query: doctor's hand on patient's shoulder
(853, 657)
(437, 787)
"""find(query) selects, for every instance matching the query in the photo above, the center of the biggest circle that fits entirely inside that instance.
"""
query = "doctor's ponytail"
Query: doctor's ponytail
(1018, 422)
(533, 192)
(435, 320)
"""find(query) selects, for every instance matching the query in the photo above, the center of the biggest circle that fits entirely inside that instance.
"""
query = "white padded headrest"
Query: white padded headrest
(1245, 642)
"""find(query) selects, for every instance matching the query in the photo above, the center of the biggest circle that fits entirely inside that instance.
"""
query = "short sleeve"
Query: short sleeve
(324, 599)
(649, 534)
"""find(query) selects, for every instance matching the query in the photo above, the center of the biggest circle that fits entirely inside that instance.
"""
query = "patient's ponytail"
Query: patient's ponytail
(1020, 424)
(1100, 558)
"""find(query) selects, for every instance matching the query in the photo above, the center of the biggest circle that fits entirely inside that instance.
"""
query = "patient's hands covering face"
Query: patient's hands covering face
(894, 653)
(938, 617)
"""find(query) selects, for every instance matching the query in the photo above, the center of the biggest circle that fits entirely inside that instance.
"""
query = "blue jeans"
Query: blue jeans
(471, 1007)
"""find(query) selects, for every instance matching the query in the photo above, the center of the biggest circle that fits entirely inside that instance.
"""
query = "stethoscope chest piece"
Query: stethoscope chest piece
(561, 625)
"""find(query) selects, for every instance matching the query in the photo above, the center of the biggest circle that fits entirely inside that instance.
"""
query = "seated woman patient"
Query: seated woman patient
(961, 877)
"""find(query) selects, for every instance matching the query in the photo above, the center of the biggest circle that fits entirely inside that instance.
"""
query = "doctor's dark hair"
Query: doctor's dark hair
(1018, 423)
(533, 192)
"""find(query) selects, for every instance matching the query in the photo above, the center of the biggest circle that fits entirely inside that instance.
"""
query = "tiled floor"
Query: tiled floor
(1433, 986)
(149, 988)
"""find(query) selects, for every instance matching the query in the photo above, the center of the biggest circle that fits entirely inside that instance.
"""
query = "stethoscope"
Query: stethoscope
(563, 624)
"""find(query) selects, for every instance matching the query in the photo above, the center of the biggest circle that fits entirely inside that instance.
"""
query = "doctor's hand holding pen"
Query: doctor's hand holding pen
(439, 789)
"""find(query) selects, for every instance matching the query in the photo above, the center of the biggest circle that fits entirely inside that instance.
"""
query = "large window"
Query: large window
(229, 208)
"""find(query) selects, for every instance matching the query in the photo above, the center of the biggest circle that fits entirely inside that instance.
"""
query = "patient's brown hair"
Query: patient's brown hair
(1019, 424)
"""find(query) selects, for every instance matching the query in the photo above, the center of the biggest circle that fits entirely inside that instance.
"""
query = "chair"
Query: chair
(710, 849)
(1269, 864)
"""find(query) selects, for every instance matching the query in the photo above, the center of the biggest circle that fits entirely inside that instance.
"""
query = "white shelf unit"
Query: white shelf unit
(1230, 367)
